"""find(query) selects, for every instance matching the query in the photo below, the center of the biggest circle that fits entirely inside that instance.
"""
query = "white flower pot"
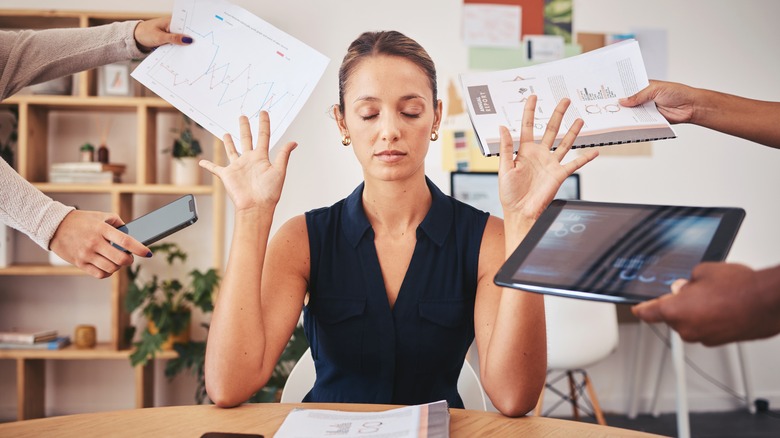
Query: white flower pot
(185, 171)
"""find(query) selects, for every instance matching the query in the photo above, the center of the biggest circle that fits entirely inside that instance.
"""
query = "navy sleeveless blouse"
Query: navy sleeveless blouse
(366, 352)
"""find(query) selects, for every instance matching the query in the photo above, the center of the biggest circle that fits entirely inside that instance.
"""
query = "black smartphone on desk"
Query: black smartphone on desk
(162, 222)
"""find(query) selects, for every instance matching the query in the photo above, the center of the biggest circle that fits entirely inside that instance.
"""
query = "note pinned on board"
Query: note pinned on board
(216, 79)
(491, 25)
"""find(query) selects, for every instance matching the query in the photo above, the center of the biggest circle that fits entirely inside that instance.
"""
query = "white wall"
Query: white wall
(726, 46)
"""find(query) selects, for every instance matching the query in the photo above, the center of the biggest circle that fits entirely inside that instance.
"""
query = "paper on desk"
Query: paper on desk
(430, 420)
(237, 65)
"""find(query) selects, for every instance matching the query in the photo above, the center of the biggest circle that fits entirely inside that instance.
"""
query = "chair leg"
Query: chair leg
(594, 400)
(540, 402)
(573, 392)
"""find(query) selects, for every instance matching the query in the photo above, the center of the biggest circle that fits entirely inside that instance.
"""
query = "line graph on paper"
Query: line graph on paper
(237, 65)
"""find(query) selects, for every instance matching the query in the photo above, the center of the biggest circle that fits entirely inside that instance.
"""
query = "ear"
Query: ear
(339, 117)
(437, 115)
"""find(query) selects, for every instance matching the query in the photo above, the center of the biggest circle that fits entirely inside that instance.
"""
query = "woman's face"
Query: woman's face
(389, 114)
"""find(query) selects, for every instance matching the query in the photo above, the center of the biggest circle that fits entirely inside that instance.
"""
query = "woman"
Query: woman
(397, 278)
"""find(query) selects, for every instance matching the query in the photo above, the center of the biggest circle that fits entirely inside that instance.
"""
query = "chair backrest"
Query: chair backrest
(303, 374)
(579, 332)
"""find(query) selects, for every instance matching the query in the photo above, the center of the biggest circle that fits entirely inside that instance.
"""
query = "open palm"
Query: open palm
(530, 180)
(251, 179)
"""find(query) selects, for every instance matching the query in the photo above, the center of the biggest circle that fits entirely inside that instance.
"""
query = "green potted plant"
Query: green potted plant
(166, 303)
(87, 152)
(185, 151)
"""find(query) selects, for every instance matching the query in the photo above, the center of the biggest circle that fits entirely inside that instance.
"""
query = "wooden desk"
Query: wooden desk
(265, 419)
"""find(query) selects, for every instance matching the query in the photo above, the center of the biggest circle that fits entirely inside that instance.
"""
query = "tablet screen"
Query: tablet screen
(623, 252)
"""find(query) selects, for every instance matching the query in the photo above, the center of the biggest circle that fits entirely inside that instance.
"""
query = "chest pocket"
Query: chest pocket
(340, 326)
(446, 329)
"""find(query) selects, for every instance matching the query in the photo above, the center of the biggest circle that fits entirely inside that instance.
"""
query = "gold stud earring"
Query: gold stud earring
(434, 136)
(345, 140)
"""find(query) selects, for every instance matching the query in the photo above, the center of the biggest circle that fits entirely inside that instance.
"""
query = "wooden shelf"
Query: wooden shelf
(36, 270)
(89, 103)
(37, 125)
(119, 188)
(102, 351)
(46, 19)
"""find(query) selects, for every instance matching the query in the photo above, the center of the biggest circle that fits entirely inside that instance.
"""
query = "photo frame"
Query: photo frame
(480, 190)
(115, 80)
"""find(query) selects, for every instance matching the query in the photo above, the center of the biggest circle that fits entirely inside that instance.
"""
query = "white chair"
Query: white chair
(579, 334)
(302, 377)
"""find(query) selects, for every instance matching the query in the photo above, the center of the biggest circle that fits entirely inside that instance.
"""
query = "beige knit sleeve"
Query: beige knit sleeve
(27, 209)
(30, 56)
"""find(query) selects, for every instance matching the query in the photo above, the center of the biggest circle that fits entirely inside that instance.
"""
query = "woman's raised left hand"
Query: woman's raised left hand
(529, 181)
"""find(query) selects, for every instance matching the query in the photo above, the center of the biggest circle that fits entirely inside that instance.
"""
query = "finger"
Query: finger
(283, 155)
(506, 161)
(211, 167)
(113, 220)
(678, 285)
(527, 126)
(111, 234)
(125, 241)
(703, 270)
(649, 311)
(179, 39)
(644, 95)
(105, 265)
(554, 124)
(264, 134)
(246, 134)
(94, 271)
(584, 158)
(230, 147)
(568, 140)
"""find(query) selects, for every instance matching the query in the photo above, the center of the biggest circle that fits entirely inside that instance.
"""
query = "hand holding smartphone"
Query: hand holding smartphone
(162, 222)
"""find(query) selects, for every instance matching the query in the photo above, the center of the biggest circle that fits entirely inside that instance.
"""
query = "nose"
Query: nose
(390, 131)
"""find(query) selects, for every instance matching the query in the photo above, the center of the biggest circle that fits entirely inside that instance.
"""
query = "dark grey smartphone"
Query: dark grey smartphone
(230, 435)
(163, 221)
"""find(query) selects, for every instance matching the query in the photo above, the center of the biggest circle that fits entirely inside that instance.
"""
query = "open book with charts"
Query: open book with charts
(593, 81)
(430, 420)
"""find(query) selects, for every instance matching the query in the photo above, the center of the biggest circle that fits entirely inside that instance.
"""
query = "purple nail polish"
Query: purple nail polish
(186, 40)
(149, 254)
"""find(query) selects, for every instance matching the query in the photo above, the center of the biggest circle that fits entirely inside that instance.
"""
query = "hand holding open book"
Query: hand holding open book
(593, 81)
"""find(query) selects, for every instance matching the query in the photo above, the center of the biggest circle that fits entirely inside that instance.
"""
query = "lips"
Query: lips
(390, 156)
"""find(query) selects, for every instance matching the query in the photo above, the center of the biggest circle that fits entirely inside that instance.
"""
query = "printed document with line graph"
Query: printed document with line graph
(237, 65)
(593, 81)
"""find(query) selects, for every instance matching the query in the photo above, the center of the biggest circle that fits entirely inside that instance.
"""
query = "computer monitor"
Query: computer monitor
(480, 190)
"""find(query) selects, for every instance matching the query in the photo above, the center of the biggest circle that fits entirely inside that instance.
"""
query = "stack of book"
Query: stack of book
(18, 339)
(86, 172)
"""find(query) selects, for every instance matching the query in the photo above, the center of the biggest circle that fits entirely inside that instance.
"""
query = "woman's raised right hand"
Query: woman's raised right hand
(251, 180)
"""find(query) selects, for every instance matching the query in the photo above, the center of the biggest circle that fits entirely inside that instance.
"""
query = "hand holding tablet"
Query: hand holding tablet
(621, 253)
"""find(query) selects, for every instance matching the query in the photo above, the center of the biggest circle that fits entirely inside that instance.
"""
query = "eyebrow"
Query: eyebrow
(376, 99)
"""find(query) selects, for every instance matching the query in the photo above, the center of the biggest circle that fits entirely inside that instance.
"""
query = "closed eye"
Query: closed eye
(413, 116)
(373, 116)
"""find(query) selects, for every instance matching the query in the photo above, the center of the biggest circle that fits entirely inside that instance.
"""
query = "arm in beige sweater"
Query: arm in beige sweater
(30, 57)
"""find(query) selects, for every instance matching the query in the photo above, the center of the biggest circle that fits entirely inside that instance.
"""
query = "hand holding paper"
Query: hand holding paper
(593, 81)
(237, 65)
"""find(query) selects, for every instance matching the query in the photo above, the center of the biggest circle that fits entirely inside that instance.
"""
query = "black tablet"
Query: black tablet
(620, 253)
